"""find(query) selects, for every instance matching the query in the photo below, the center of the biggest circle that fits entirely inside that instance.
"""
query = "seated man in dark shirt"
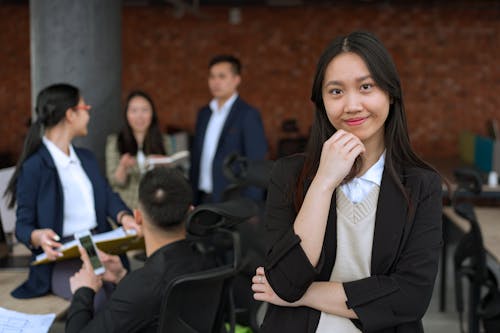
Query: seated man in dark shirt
(164, 200)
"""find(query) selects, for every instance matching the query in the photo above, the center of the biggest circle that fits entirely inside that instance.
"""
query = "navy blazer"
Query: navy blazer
(405, 254)
(243, 133)
(40, 205)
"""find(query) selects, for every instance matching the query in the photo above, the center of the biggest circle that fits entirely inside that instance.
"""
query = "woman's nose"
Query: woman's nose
(353, 103)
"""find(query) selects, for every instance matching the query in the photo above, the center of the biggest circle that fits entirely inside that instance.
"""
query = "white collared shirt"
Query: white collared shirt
(211, 140)
(357, 189)
(78, 193)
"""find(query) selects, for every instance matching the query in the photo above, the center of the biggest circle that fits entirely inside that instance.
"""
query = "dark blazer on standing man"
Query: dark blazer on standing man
(40, 205)
(242, 133)
(405, 254)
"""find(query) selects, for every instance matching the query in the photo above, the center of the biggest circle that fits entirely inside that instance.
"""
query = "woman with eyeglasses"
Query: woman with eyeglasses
(59, 190)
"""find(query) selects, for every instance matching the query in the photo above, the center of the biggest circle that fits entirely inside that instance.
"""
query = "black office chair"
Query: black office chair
(289, 146)
(293, 142)
(203, 301)
(243, 172)
(470, 256)
(196, 303)
(470, 262)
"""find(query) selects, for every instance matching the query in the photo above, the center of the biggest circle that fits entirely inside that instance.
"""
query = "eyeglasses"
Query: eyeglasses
(84, 107)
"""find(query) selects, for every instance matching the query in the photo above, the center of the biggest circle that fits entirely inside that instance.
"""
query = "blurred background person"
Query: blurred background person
(59, 190)
(127, 151)
(226, 125)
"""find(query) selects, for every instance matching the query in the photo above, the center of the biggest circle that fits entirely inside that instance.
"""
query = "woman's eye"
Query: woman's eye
(335, 91)
(366, 86)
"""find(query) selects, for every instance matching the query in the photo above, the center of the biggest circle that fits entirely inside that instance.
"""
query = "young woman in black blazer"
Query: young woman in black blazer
(359, 123)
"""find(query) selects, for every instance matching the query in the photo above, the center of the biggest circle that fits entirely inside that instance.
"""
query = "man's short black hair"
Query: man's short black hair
(235, 62)
(165, 197)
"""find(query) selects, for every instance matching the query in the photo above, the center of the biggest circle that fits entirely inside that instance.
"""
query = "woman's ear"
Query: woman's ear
(138, 217)
(69, 116)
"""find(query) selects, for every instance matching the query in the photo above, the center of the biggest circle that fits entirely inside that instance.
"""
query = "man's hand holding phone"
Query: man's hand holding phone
(115, 271)
(86, 242)
(86, 276)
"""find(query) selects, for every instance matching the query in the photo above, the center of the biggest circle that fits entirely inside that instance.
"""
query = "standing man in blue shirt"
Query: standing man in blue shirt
(227, 125)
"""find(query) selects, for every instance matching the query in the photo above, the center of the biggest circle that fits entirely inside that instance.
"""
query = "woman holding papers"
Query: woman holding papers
(127, 152)
(59, 190)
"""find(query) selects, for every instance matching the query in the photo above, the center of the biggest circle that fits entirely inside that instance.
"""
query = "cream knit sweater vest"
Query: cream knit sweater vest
(355, 226)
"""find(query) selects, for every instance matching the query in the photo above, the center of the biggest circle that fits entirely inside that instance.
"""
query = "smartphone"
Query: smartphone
(85, 240)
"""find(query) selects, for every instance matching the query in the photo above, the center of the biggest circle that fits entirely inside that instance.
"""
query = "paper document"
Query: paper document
(18, 322)
(116, 241)
(172, 160)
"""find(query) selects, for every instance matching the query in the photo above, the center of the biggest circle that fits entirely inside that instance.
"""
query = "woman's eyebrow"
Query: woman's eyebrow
(339, 82)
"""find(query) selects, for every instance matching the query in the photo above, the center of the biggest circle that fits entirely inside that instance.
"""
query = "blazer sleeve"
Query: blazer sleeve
(112, 159)
(403, 295)
(287, 268)
(129, 309)
(254, 137)
(28, 183)
(115, 202)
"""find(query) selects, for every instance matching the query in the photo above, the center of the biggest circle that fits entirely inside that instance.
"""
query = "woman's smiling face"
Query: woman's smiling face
(352, 99)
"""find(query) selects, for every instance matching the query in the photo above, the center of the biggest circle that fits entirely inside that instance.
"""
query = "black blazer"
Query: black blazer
(405, 254)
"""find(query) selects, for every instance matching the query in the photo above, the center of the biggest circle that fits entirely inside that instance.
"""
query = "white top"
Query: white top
(358, 188)
(78, 193)
(211, 140)
(141, 161)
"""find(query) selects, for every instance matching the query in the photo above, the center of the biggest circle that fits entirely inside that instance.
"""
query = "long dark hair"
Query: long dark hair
(383, 71)
(153, 141)
(51, 106)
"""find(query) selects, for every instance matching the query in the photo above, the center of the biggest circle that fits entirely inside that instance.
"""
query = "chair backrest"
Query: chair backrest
(468, 180)
(8, 215)
(289, 146)
(202, 302)
(4, 248)
(243, 172)
(195, 303)
(469, 258)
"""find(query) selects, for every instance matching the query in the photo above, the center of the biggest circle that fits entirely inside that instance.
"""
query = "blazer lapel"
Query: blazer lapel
(231, 117)
(390, 220)
(206, 115)
(58, 194)
(47, 158)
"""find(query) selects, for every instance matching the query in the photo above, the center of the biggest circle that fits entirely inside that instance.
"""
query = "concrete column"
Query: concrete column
(79, 42)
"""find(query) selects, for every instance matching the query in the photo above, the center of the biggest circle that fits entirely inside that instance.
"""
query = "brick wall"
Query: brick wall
(15, 85)
(447, 57)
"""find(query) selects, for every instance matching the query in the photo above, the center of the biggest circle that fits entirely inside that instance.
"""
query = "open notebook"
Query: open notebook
(116, 241)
